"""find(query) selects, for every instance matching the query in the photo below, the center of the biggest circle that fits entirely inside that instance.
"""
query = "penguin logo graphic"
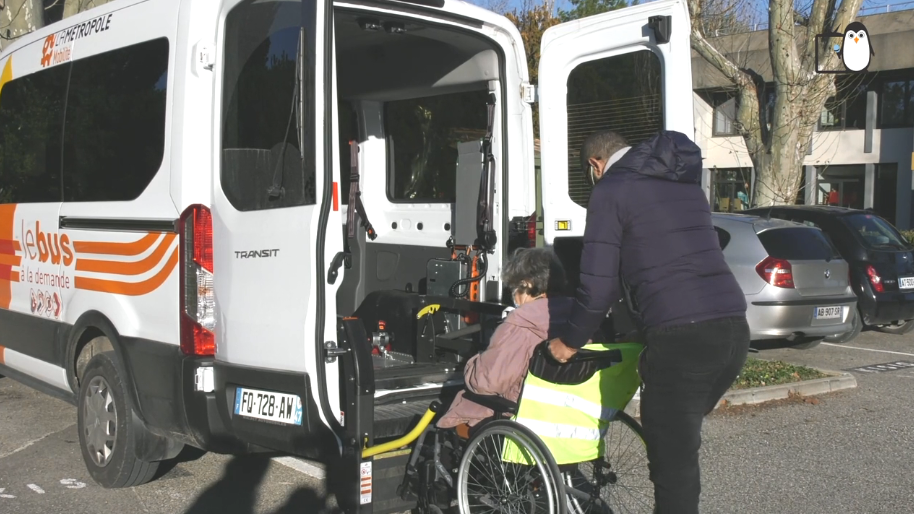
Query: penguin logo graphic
(854, 48)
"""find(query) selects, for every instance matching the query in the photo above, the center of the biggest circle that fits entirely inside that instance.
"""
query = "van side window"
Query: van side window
(422, 136)
(114, 137)
(31, 125)
(622, 93)
(267, 112)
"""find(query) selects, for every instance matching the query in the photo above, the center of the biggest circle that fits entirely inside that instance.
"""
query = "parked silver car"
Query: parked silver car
(797, 285)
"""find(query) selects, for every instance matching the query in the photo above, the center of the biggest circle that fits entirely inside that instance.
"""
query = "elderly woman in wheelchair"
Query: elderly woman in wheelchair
(530, 434)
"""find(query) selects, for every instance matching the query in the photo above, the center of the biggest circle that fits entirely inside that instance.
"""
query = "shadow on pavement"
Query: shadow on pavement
(237, 489)
(188, 454)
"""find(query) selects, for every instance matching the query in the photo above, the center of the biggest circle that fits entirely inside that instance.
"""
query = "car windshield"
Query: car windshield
(876, 232)
(798, 244)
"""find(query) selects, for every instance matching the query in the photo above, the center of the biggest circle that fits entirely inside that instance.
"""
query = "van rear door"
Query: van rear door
(271, 205)
(627, 70)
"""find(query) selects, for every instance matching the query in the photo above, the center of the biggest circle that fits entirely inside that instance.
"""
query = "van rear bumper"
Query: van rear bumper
(167, 401)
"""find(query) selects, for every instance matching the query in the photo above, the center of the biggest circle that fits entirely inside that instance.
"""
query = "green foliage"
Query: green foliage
(583, 8)
(758, 373)
(908, 235)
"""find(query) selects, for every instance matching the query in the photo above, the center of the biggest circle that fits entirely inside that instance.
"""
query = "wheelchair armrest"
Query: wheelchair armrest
(497, 403)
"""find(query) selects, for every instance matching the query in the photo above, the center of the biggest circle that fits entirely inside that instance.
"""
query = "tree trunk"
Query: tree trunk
(20, 17)
(71, 7)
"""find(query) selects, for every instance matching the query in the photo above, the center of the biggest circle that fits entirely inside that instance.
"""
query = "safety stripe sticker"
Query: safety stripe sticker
(560, 431)
(560, 399)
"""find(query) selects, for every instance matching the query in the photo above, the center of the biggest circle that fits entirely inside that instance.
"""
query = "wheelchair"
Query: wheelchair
(513, 464)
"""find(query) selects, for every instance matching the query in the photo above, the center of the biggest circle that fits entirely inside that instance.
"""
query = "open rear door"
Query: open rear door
(627, 70)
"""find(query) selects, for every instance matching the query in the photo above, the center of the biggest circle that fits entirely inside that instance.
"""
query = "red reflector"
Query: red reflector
(195, 339)
(336, 196)
(776, 272)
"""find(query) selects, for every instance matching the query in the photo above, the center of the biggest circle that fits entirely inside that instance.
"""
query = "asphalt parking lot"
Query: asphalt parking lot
(850, 452)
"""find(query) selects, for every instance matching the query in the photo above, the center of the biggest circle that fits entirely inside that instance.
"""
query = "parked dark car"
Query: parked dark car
(880, 259)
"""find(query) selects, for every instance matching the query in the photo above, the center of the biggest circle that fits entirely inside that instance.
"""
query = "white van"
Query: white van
(177, 255)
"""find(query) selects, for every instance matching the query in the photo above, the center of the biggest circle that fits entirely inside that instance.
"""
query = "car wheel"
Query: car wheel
(848, 336)
(898, 330)
(108, 427)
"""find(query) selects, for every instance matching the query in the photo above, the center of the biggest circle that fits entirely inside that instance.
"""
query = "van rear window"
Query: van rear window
(875, 232)
(798, 244)
(268, 103)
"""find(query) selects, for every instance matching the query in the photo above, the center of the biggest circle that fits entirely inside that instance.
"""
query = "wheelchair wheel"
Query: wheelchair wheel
(618, 482)
(488, 481)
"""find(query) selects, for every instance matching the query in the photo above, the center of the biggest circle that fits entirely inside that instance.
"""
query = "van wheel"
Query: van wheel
(898, 330)
(108, 427)
(857, 327)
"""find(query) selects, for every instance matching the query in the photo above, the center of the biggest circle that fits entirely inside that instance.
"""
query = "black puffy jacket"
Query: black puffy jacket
(649, 220)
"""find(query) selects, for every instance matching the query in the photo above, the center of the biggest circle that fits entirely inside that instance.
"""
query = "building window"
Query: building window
(724, 114)
(846, 110)
(730, 189)
(897, 109)
(422, 137)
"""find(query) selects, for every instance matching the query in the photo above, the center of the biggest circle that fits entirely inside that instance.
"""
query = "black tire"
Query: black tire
(857, 327)
(532, 443)
(111, 460)
(899, 330)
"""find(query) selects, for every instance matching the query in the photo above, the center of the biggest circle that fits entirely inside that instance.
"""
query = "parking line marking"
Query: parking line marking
(301, 466)
(36, 488)
(867, 349)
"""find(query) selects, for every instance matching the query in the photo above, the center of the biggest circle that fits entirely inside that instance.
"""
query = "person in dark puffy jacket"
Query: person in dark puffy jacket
(649, 233)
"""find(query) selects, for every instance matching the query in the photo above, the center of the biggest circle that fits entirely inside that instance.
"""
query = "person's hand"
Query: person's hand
(560, 351)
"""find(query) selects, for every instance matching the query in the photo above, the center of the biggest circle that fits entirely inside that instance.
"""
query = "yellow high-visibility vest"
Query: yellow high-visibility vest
(572, 419)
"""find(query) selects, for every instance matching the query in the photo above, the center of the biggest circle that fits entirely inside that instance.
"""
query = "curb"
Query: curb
(836, 382)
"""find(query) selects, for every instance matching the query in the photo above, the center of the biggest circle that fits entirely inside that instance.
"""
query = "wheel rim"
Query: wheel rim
(486, 483)
(100, 415)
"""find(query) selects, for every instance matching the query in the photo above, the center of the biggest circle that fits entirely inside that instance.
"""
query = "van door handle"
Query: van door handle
(335, 264)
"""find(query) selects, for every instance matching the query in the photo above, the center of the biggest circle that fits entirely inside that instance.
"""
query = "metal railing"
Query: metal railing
(864, 11)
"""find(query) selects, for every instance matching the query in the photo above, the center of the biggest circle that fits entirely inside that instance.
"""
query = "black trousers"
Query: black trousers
(685, 371)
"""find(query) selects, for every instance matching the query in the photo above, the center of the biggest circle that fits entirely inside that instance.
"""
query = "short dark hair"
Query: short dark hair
(538, 267)
(601, 145)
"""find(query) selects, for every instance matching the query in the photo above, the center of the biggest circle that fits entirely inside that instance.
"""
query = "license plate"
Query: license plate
(906, 283)
(828, 312)
(268, 406)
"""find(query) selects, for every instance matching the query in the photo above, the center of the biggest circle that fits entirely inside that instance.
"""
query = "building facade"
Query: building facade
(862, 151)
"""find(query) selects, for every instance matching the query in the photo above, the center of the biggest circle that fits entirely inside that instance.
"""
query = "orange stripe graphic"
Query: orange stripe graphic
(2, 351)
(128, 268)
(126, 249)
(130, 288)
(7, 223)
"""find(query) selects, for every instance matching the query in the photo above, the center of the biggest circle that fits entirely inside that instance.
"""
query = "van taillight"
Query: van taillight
(198, 301)
(531, 231)
(875, 279)
(776, 272)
